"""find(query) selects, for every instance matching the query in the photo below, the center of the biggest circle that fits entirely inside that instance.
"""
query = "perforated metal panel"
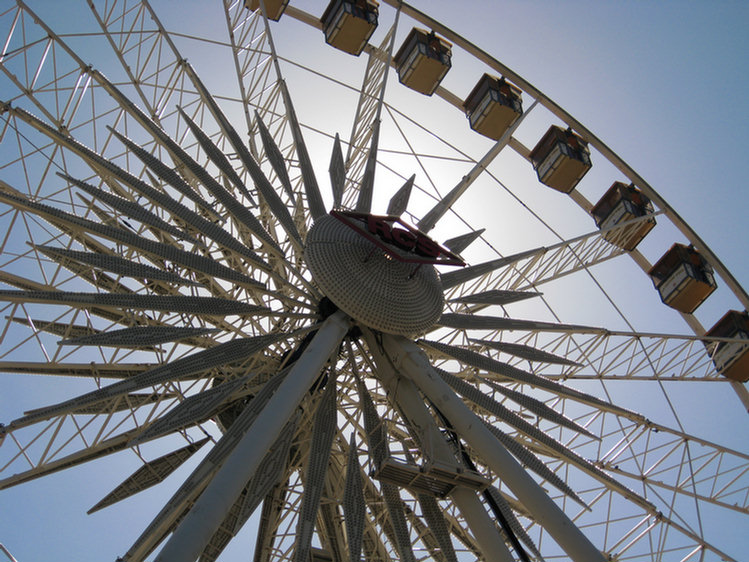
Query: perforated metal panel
(515, 525)
(212, 306)
(399, 201)
(275, 157)
(149, 474)
(170, 514)
(498, 296)
(538, 408)
(370, 286)
(241, 213)
(503, 369)
(454, 278)
(269, 472)
(460, 243)
(527, 352)
(476, 322)
(235, 350)
(194, 409)
(354, 508)
(396, 510)
(376, 437)
(115, 264)
(138, 336)
(531, 461)
(132, 209)
(165, 251)
(437, 526)
(323, 432)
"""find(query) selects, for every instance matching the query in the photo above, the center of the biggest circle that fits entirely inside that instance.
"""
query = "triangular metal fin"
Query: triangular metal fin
(399, 201)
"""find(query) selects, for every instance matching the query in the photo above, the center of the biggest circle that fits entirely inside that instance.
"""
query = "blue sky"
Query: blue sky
(664, 84)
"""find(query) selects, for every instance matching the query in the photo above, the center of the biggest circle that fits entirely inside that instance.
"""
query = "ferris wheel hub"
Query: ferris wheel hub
(368, 283)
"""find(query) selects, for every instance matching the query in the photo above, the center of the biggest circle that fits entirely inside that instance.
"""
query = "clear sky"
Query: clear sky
(664, 84)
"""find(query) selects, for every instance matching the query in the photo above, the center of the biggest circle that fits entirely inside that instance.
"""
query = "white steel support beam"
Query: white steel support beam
(410, 403)
(209, 511)
(412, 362)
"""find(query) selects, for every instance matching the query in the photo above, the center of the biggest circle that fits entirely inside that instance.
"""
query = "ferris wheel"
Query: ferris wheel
(311, 281)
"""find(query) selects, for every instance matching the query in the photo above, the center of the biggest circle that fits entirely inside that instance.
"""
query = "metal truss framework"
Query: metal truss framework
(165, 267)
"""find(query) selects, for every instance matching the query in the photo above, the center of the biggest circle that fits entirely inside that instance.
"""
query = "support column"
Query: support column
(407, 399)
(413, 363)
(201, 522)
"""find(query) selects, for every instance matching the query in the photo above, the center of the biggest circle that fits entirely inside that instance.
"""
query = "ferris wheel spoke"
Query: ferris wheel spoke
(507, 512)
(537, 407)
(242, 215)
(527, 352)
(534, 463)
(253, 60)
(139, 337)
(169, 303)
(263, 185)
(654, 455)
(399, 200)
(366, 185)
(277, 161)
(197, 408)
(458, 244)
(166, 520)
(239, 212)
(159, 250)
(86, 370)
(82, 271)
(454, 278)
(528, 430)
(150, 474)
(315, 203)
(25, 284)
(217, 156)
(25, 67)
(482, 362)
(132, 210)
(113, 264)
(331, 531)
(222, 354)
(354, 506)
(436, 526)
(611, 355)
(535, 267)
(321, 441)
(364, 201)
(107, 169)
(165, 173)
(91, 452)
(270, 515)
(475, 322)
(337, 172)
